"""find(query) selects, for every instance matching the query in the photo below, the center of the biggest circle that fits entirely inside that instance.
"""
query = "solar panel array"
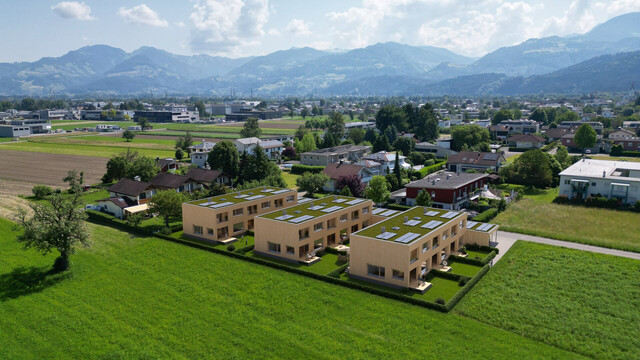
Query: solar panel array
(377, 210)
(412, 222)
(408, 237)
(471, 224)
(216, 206)
(386, 235)
(280, 191)
(484, 227)
(389, 213)
(449, 215)
(267, 190)
(254, 197)
(301, 219)
(208, 203)
(284, 217)
(432, 213)
(432, 224)
(355, 201)
(331, 209)
(304, 200)
(339, 201)
(316, 208)
(241, 196)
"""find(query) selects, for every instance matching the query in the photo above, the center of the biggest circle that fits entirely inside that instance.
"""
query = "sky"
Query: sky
(36, 28)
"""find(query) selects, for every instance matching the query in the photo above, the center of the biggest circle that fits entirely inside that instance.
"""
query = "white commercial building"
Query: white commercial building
(611, 179)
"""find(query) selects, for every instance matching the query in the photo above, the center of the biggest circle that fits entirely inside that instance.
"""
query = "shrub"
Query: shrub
(637, 206)
(244, 250)
(301, 169)
(431, 169)
(561, 199)
(440, 301)
(165, 230)
(335, 273)
(134, 219)
(231, 247)
(463, 281)
(58, 191)
(486, 215)
(41, 191)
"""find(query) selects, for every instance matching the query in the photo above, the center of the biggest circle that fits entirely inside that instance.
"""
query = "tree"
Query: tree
(396, 169)
(353, 182)
(117, 168)
(262, 105)
(311, 183)
(540, 116)
(345, 191)
(370, 135)
(216, 189)
(357, 135)
(562, 155)
(378, 189)
(57, 224)
(290, 152)
(392, 180)
(300, 132)
(308, 143)
(167, 204)
(304, 113)
(28, 104)
(143, 166)
(251, 128)
(500, 116)
(532, 168)
(258, 166)
(405, 145)
(585, 137)
(202, 110)
(390, 132)
(423, 198)
(336, 125)
(41, 191)
(144, 123)
(473, 136)
(330, 140)
(134, 219)
(568, 116)
(381, 144)
(179, 154)
(128, 135)
(224, 157)
(74, 180)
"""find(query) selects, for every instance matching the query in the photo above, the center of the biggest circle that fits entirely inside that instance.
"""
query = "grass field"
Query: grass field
(290, 179)
(594, 226)
(140, 297)
(72, 124)
(578, 301)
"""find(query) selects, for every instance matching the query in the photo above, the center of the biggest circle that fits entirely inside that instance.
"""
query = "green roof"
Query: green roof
(237, 197)
(480, 226)
(409, 226)
(313, 208)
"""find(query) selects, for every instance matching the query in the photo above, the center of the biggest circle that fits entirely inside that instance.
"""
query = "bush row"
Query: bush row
(476, 262)
(476, 247)
(598, 202)
(337, 272)
(549, 146)
(107, 219)
(447, 275)
(301, 169)
(244, 250)
(516, 149)
(466, 288)
(331, 250)
(486, 215)
(431, 169)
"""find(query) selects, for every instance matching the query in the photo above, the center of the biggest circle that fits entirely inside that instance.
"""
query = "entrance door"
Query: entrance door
(304, 249)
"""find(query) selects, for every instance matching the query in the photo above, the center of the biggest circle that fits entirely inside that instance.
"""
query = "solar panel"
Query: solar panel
(208, 203)
(432, 224)
(241, 196)
(406, 238)
(389, 213)
(284, 217)
(386, 235)
(301, 219)
(304, 200)
(432, 213)
(339, 201)
(377, 210)
(355, 201)
(254, 197)
(481, 227)
(221, 205)
(412, 222)
(471, 224)
(316, 208)
(280, 191)
(268, 190)
(331, 209)
(449, 215)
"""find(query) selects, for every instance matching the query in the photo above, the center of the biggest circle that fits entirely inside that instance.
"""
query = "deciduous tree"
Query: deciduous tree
(311, 183)
(224, 157)
(251, 128)
(167, 204)
(585, 137)
(378, 189)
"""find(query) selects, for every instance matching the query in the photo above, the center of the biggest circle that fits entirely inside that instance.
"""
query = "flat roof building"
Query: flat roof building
(324, 157)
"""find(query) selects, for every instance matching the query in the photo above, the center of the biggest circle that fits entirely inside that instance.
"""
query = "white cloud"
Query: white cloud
(73, 10)
(180, 24)
(223, 27)
(142, 15)
(298, 27)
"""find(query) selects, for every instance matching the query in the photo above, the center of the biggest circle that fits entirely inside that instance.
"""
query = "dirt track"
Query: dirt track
(49, 169)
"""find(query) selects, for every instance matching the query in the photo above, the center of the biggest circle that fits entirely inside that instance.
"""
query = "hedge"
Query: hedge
(431, 169)
(549, 146)
(486, 215)
(631, 153)
(597, 202)
(476, 262)
(108, 219)
(447, 275)
(476, 247)
(244, 250)
(335, 273)
(331, 250)
(515, 149)
(301, 169)
(465, 289)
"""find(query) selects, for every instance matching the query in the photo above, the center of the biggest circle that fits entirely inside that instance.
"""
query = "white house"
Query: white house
(246, 144)
(273, 148)
(611, 179)
(200, 153)
(388, 160)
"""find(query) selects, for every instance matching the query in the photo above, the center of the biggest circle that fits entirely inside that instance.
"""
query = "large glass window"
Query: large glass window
(273, 247)
(397, 274)
(303, 233)
(266, 204)
(238, 227)
(374, 270)
(237, 212)
(317, 227)
(291, 250)
(197, 229)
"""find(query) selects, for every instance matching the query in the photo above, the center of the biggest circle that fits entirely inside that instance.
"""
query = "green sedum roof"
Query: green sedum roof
(236, 197)
(315, 208)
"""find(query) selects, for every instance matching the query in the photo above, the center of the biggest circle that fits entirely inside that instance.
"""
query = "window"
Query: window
(567, 182)
(433, 194)
(253, 209)
(365, 224)
(291, 250)
(414, 256)
(365, 210)
(266, 204)
(374, 270)
(425, 247)
(290, 198)
(210, 231)
(223, 232)
(593, 184)
(331, 223)
(303, 233)
(317, 227)
(355, 215)
(273, 247)
(238, 227)
(435, 241)
(397, 274)
(222, 217)
(317, 244)
(354, 228)
(278, 203)
(344, 218)
(237, 212)
(197, 229)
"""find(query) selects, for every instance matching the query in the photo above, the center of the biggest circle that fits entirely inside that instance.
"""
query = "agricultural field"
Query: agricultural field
(72, 124)
(189, 303)
(574, 300)
(48, 169)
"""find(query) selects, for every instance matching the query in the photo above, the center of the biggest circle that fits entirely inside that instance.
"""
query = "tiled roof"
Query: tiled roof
(526, 137)
(476, 158)
(334, 171)
(129, 187)
(168, 180)
(203, 176)
(121, 202)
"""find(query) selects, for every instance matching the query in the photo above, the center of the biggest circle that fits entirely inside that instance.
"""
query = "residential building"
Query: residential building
(611, 179)
(360, 125)
(120, 207)
(629, 144)
(568, 141)
(332, 155)
(430, 148)
(308, 227)
(200, 153)
(375, 168)
(448, 190)
(621, 134)
(522, 126)
(273, 148)
(336, 171)
(167, 164)
(500, 131)
(473, 160)
(246, 144)
(388, 160)
(206, 177)
(482, 123)
(557, 133)
(526, 141)
(127, 197)
(25, 127)
(574, 125)
(633, 125)
(225, 217)
(401, 250)
(179, 183)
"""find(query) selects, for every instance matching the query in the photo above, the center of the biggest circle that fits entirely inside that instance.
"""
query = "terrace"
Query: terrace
(411, 225)
(238, 197)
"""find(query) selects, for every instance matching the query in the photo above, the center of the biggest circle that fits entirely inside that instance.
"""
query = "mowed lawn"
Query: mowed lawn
(139, 297)
(579, 301)
(600, 227)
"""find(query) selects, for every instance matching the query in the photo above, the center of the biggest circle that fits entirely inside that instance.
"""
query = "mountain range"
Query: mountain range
(607, 58)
